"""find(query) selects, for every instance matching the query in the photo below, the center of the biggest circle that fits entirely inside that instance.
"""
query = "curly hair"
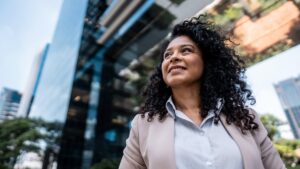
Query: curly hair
(223, 77)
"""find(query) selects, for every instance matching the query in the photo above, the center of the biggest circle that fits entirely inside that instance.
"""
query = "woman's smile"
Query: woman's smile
(176, 69)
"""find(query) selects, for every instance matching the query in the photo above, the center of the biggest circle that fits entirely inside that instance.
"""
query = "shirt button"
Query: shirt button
(201, 132)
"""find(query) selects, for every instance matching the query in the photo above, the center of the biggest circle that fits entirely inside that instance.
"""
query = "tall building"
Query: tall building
(88, 84)
(9, 103)
(33, 82)
(288, 92)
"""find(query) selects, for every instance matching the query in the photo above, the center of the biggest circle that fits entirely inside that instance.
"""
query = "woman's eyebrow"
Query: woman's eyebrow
(180, 46)
(187, 45)
(168, 49)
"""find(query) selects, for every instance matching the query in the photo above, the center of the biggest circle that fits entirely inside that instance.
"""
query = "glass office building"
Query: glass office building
(288, 92)
(33, 82)
(94, 72)
(9, 103)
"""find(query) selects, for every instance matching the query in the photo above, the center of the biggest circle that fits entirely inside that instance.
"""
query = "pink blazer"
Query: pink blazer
(151, 145)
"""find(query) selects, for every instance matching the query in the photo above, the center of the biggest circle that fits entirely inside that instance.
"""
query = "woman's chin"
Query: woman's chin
(180, 82)
(177, 83)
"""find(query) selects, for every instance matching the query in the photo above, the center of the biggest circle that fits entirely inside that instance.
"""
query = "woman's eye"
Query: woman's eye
(186, 50)
(166, 55)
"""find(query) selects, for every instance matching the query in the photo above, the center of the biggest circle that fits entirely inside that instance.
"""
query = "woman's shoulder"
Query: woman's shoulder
(145, 118)
(260, 133)
(254, 114)
(140, 120)
(143, 122)
(256, 117)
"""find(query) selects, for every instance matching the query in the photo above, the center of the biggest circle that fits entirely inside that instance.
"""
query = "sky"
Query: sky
(262, 76)
(25, 28)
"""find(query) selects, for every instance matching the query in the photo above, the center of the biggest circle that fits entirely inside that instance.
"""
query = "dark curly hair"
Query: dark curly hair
(223, 77)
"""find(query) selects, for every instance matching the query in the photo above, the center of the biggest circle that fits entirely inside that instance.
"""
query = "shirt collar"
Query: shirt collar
(170, 106)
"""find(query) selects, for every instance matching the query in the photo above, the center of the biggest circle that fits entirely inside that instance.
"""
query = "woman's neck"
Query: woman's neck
(187, 99)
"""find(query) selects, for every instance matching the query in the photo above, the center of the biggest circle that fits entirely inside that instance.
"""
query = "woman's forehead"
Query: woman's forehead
(180, 41)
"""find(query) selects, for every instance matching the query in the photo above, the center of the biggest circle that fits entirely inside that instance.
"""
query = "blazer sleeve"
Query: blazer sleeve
(269, 155)
(132, 158)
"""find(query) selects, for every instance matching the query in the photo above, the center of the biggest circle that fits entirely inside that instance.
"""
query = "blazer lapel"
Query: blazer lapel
(163, 138)
(241, 140)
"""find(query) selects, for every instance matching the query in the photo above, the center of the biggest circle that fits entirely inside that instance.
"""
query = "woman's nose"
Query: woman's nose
(175, 57)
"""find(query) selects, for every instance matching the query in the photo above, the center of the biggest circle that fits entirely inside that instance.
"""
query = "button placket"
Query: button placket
(201, 132)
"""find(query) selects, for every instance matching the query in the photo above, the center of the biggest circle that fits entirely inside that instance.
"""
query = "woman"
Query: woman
(196, 113)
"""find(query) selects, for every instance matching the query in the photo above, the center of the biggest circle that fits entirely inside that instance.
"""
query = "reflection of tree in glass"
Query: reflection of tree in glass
(22, 135)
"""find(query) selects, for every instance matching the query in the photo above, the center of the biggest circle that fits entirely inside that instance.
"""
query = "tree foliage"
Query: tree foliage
(22, 135)
(286, 149)
(271, 123)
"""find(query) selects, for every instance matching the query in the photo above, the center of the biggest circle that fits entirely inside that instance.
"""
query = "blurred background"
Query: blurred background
(72, 71)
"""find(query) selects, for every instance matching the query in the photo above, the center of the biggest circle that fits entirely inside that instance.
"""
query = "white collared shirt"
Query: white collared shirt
(207, 146)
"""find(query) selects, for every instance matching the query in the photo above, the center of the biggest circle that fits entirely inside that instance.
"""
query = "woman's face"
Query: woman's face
(182, 64)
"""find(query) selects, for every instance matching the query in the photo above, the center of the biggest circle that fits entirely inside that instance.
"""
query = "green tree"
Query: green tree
(271, 123)
(286, 149)
(21, 135)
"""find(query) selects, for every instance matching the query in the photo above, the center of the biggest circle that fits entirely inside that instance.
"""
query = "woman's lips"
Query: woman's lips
(176, 68)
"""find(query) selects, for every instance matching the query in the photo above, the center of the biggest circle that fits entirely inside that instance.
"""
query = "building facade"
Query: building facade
(9, 103)
(91, 79)
(288, 92)
(33, 83)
